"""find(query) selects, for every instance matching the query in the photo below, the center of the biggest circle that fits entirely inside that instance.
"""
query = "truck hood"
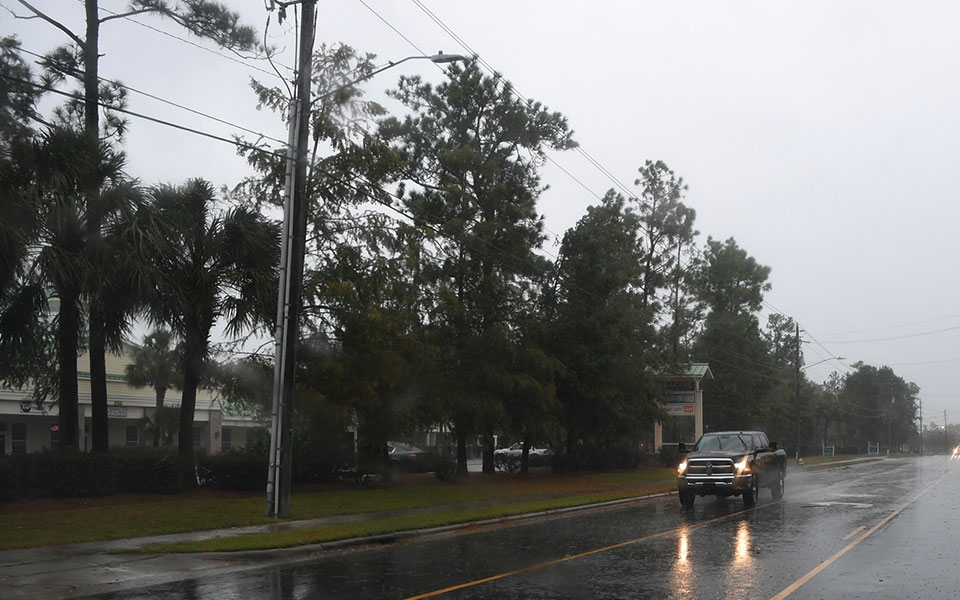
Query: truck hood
(735, 455)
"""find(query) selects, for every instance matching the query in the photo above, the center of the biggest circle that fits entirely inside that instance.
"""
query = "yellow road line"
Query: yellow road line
(854, 532)
(558, 561)
(618, 545)
(816, 570)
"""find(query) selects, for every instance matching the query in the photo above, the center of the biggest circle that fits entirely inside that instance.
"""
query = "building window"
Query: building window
(55, 437)
(226, 439)
(133, 435)
(19, 438)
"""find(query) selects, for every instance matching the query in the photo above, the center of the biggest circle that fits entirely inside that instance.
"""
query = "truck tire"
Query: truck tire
(687, 498)
(751, 494)
(777, 488)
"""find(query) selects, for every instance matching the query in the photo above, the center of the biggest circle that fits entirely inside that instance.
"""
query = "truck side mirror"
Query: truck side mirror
(773, 446)
(682, 448)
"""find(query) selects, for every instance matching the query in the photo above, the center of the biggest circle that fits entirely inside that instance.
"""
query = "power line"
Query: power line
(79, 72)
(579, 149)
(247, 146)
(489, 68)
(236, 143)
(243, 62)
(751, 372)
(395, 30)
(896, 337)
(889, 327)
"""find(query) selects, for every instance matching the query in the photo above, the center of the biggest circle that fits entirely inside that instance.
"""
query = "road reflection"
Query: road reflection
(740, 575)
(681, 575)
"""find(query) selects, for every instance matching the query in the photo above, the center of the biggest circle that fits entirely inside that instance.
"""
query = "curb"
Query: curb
(398, 536)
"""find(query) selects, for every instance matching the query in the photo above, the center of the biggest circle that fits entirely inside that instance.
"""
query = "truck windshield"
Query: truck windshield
(732, 442)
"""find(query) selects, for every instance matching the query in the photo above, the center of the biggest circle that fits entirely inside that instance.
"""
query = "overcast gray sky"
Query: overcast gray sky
(821, 135)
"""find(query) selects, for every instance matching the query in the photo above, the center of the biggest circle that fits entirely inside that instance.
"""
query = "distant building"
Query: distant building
(25, 427)
(682, 400)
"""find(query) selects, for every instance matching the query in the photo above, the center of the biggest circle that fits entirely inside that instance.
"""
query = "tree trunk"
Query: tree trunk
(91, 122)
(68, 333)
(525, 456)
(461, 453)
(99, 427)
(488, 464)
(192, 361)
(161, 394)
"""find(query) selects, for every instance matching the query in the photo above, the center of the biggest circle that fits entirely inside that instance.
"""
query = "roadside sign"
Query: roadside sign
(827, 450)
(873, 448)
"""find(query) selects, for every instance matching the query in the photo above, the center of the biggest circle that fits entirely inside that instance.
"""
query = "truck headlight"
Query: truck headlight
(682, 468)
(742, 466)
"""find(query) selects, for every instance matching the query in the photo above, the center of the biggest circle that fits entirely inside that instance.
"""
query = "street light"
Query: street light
(292, 252)
(439, 59)
(796, 387)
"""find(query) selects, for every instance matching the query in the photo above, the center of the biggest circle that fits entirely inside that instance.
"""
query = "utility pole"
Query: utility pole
(279, 475)
(921, 426)
(890, 427)
(946, 446)
(796, 388)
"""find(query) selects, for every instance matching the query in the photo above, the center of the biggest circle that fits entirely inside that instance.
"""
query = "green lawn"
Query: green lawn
(326, 533)
(177, 514)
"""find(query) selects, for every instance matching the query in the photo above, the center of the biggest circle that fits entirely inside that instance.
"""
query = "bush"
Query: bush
(445, 468)
(148, 470)
(600, 456)
(233, 470)
(63, 474)
(10, 483)
(669, 456)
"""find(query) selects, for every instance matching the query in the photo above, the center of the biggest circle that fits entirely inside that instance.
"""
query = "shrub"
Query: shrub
(233, 470)
(600, 456)
(148, 470)
(61, 474)
(10, 483)
(445, 468)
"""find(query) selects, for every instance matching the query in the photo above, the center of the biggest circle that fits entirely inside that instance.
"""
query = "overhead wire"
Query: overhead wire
(132, 113)
(487, 66)
(242, 60)
(579, 149)
(244, 145)
(76, 72)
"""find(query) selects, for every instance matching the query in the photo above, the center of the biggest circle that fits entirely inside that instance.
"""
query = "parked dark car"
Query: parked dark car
(406, 457)
(731, 463)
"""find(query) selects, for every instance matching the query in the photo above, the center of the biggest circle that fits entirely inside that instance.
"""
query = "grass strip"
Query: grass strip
(181, 515)
(329, 533)
(838, 464)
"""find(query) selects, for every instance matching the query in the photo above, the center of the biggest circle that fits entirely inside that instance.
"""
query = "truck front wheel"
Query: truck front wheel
(777, 488)
(687, 498)
(751, 494)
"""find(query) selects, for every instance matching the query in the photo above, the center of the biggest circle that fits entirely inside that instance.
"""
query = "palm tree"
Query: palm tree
(156, 364)
(52, 176)
(211, 265)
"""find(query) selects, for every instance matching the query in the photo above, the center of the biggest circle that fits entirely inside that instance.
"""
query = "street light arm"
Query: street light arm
(805, 367)
(434, 58)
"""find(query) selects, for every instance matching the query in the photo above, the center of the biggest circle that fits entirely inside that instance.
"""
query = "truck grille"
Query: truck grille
(710, 469)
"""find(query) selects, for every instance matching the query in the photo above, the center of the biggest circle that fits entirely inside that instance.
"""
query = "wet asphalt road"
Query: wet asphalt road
(880, 530)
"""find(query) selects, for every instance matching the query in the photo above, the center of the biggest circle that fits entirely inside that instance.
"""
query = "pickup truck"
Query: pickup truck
(731, 463)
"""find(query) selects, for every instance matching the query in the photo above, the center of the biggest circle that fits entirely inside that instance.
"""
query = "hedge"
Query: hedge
(60, 474)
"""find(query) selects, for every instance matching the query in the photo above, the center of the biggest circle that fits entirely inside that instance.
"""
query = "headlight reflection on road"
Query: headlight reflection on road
(681, 575)
(742, 557)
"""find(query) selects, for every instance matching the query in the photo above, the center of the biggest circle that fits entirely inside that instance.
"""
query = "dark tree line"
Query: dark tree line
(429, 299)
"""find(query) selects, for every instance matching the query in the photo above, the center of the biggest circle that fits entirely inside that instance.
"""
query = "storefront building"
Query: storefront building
(26, 427)
(682, 400)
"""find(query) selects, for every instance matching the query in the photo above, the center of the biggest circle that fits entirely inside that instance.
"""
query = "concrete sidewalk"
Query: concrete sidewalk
(74, 570)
